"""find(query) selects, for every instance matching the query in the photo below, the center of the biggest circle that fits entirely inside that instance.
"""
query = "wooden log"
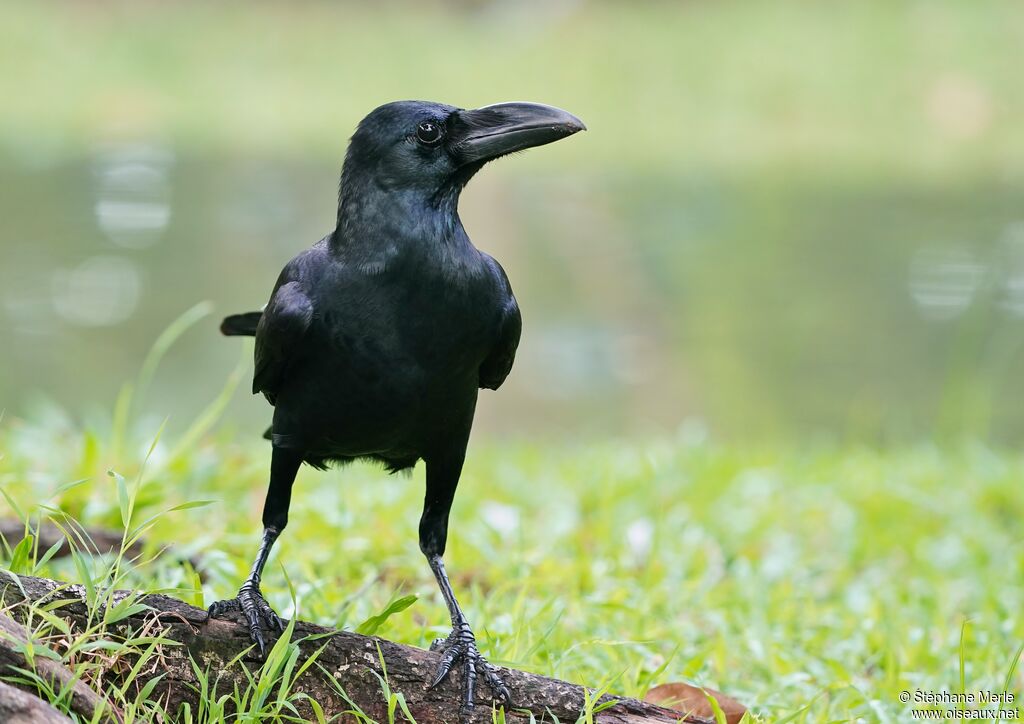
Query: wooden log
(354, 662)
(13, 662)
(90, 540)
(93, 540)
(20, 707)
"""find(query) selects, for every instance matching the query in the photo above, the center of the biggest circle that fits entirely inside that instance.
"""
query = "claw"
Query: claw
(270, 617)
(257, 612)
(460, 648)
(445, 667)
(495, 684)
(257, 635)
(219, 608)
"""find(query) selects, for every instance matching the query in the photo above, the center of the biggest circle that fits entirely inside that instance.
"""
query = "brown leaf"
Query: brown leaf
(690, 699)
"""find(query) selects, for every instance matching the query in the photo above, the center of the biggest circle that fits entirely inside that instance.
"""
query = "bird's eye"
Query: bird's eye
(428, 133)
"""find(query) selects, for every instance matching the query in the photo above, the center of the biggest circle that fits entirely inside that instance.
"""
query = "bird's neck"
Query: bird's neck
(375, 221)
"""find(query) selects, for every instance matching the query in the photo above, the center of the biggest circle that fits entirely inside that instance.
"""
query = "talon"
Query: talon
(270, 617)
(445, 667)
(257, 612)
(494, 682)
(219, 608)
(460, 648)
(257, 635)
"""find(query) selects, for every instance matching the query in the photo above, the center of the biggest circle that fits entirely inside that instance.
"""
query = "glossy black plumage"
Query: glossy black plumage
(376, 340)
(382, 357)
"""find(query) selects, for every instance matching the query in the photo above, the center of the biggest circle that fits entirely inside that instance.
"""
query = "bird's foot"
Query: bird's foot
(460, 649)
(257, 612)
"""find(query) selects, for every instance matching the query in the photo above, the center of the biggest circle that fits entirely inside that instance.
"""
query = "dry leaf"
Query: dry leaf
(693, 700)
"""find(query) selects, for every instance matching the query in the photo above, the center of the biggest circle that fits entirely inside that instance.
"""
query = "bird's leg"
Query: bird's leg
(258, 613)
(250, 600)
(459, 648)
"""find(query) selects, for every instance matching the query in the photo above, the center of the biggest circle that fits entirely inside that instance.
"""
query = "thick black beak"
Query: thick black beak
(485, 133)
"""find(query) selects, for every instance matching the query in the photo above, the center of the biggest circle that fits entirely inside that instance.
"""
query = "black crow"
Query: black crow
(375, 340)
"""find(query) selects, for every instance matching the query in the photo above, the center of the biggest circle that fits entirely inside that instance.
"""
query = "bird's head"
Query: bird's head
(432, 150)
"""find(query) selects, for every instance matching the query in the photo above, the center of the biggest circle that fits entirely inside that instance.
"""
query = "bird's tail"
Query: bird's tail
(240, 325)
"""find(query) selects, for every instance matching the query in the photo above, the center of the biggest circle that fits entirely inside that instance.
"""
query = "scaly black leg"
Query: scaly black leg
(250, 601)
(460, 646)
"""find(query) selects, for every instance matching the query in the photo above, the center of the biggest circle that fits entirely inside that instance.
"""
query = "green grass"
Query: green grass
(815, 583)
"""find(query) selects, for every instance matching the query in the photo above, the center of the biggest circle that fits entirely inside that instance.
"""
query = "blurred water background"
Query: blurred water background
(788, 220)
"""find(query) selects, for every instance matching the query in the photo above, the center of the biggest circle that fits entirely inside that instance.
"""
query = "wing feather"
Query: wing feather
(281, 327)
(498, 364)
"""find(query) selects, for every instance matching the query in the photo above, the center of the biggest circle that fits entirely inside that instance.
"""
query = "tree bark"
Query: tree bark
(20, 707)
(352, 660)
(13, 663)
(93, 540)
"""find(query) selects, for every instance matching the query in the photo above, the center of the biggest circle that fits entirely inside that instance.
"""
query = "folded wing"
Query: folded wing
(280, 329)
(498, 364)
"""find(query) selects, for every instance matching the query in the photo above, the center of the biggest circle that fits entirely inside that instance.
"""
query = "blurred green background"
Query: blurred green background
(793, 220)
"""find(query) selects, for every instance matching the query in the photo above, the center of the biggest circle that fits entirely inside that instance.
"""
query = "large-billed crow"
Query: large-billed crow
(375, 340)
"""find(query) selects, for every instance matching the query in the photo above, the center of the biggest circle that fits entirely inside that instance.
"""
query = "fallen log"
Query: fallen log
(345, 662)
(13, 663)
(20, 707)
(92, 540)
